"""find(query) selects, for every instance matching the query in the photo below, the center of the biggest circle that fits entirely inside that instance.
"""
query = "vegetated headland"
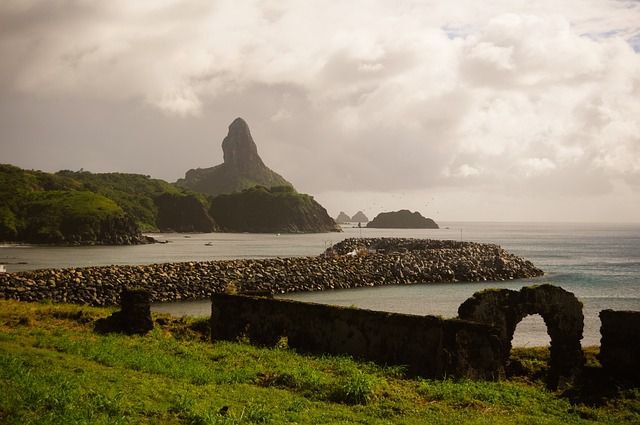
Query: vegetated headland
(352, 263)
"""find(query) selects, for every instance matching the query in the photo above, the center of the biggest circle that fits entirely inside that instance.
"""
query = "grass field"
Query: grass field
(54, 369)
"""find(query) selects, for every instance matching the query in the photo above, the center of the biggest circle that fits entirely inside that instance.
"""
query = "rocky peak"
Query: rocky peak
(342, 218)
(360, 217)
(239, 150)
(242, 167)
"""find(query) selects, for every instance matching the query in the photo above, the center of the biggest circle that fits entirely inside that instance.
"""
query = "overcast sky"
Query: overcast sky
(461, 110)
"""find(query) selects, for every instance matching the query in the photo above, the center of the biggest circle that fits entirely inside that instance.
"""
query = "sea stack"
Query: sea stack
(342, 218)
(360, 217)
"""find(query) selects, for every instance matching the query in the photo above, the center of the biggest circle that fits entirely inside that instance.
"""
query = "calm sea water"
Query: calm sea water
(599, 263)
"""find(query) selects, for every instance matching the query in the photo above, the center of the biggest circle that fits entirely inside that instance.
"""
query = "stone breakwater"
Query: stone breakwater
(351, 263)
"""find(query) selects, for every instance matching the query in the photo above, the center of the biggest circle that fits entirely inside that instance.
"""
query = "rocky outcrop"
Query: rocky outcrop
(242, 168)
(342, 218)
(403, 219)
(183, 213)
(359, 217)
(561, 311)
(117, 231)
(406, 261)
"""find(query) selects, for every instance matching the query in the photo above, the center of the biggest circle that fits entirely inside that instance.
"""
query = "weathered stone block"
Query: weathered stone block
(134, 316)
(620, 344)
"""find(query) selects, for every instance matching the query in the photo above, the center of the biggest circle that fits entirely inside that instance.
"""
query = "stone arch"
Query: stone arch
(560, 310)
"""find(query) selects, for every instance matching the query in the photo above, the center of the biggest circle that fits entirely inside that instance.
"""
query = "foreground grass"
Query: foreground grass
(55, 369)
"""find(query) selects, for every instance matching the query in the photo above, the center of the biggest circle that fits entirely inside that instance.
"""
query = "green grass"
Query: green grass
(55, 369)
(61, 204)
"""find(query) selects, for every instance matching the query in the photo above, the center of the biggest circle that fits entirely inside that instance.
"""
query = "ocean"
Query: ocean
(599, 263)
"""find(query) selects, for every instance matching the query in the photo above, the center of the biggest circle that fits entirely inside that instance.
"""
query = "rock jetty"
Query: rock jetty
(349, 264)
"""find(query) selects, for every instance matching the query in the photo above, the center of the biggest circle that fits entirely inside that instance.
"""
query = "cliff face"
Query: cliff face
(178, 213)
(118, 231)
(403, 219)
(271, 210)
(242, 168)
(240, 152)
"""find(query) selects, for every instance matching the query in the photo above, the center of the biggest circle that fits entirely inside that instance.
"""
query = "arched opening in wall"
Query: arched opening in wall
(531, 332)
(529, 355)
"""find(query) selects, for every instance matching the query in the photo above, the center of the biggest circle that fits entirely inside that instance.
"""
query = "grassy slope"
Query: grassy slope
(60, 204)
(54, 369)
(133, 192)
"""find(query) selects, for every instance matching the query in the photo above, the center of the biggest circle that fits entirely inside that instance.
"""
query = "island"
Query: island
(403, 219)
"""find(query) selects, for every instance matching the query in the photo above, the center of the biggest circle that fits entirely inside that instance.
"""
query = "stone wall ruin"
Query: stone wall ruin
(477, 345)
(429, 346)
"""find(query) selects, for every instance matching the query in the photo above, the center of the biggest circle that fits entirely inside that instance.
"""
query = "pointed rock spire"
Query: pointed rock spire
(242, 168)
(239, 150)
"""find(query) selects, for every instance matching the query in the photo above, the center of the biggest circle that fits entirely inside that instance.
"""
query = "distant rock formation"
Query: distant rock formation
(403, 219)
(360, 217)
(242, 168)
(343, 218)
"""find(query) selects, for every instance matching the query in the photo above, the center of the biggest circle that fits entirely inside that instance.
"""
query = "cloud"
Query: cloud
(537, 166)
(377, 97)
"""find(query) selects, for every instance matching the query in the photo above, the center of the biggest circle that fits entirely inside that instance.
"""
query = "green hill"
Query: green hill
(70, 207)
(57, 216)
(154, 204)
(278, 209)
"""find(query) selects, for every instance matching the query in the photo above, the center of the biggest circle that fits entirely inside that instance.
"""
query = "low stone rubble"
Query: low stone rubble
(351, 263)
